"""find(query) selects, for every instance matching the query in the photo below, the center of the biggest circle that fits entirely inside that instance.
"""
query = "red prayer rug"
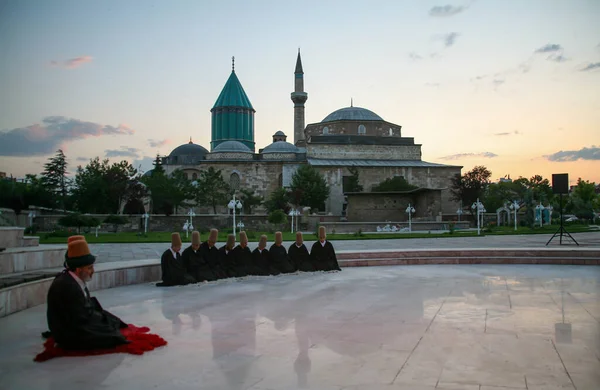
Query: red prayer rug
(140, 341)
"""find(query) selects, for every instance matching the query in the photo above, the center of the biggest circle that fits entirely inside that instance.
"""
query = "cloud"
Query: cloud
(549, 48)
(72, 63)
(498, 82)
(469, 155)
(450, 38)
(503, 134)
(51, 134)
(435, 85)
(414, 56)
(445, 10)
(557, 58)
(123, 152)
(590, 66)
(82, 159)
(591, 153)
(155, 143)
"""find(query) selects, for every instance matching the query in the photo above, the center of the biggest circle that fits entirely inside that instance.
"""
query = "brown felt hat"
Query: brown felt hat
(322, 231)
(230, 241)
(175, 239)
(75, 238)
(278, 237)
(243, 237)
(262, 241)
(196, 238)
(79, 255)
(299, 237)
(214, 235)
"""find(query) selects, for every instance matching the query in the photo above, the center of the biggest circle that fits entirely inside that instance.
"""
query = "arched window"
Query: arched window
(194, 176)
(391, 131)
(362, 129)
(234, 181)
(325, 130)
(280, 180)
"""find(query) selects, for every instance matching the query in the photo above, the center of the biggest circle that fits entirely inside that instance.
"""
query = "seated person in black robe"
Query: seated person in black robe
(322, 253)
(280, 261)
(242, 257)
(226, 256)
(299, 255)
(174, 271)
(261, 257)
(76, 320)
(210, 254)
(195, 263)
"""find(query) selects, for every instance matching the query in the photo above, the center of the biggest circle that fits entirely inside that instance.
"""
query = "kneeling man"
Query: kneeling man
(76, 320)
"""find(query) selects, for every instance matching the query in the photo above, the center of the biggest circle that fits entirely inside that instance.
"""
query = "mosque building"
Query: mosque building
(348, 137)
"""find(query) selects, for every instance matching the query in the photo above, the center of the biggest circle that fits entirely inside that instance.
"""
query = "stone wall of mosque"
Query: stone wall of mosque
(364, 152)
(229, 156)
(377, 128)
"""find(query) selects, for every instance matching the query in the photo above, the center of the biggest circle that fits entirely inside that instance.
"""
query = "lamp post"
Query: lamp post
(480, 210)
(191, 214)
(31, 216)
(459, 212)
(145, 216)
(550, 208)
(294, 213)
(232, 205)
(410, 210)
(240, 226)
(540, 208)
(515, 206)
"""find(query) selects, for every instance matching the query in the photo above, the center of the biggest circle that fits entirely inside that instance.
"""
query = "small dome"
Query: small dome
(352, 114)
(281, 147)
(189, 149)
(231, 147)
(279, 133)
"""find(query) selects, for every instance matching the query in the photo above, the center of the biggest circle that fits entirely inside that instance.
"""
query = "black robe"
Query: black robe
(280, 261)
(77, 321)
(196, 265)
(300, 258)
(242, 261)
(226, 261)
(174, 272)
(323, 257)
(210, 255)
(261, 261)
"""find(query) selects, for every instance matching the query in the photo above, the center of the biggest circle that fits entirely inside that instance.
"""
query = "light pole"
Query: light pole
(540, 208)
(410, 210)
(459, 212)
(515, 206)
(191, 214)
(550, 208)
(480, 209)
(31, 217)
(240, 226)
(294, 213)
(145, 216)
(232, 205)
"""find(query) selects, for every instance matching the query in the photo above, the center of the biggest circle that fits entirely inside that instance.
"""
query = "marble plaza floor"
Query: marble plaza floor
(471, 327)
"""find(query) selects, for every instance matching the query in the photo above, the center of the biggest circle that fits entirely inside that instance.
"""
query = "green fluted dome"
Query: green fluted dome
(232, 115)
(233, 94)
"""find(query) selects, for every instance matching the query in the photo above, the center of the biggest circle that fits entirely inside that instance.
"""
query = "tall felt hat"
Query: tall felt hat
(243, 236)
(79, 255)
(230, 241)
(278, 237)
(70, 239)
(214, 235)
(263, 241)
(322, 231)
(175, 239)
(196, 238)
(299, 237)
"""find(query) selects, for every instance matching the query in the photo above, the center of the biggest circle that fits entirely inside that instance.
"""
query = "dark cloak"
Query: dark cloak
(323, 257)
(210, 255)
(242, 261)
(280, 260)
(196, 265)
(77, 321)
(300, 258)
(261, 261)
(226, 261)
(174, 272)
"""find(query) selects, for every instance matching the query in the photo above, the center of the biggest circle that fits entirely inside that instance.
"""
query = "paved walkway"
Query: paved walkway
(394, 328)
(118, 252)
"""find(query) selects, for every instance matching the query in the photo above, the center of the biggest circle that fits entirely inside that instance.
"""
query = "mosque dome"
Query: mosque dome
(231, 147)
(280, 147)
(279, 133)
(352, 114)
(189, 149)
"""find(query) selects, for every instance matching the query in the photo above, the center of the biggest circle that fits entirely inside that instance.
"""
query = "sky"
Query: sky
(513, 85)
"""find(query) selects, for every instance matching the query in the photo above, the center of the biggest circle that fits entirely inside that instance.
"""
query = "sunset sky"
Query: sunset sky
(513, 85)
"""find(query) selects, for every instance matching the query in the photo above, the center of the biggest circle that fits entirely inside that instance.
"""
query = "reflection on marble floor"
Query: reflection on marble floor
(417, 327)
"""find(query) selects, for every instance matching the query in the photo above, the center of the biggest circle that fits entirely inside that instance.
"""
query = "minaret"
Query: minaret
(299, 97)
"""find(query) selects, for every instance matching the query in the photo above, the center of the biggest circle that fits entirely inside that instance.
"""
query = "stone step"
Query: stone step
(586, 253)
(468, 260)
(29, 241)
(14, 260)
(11, 237)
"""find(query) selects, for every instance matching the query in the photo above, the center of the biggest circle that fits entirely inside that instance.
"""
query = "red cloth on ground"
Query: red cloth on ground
(140, 341)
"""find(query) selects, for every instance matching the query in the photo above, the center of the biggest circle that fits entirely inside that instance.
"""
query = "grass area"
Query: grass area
(126, 237)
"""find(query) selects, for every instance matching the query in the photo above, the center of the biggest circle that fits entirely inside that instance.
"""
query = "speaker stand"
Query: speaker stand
(561, 230)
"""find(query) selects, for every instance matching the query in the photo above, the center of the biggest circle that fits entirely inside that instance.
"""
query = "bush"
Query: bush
(277, 217)
(359, 233)
(116, 219)
(451, 227)
(78, 221)
(251, 234)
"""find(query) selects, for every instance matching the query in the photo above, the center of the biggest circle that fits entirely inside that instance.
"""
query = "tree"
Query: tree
(249, 199)
(180, 189)
(54, 177)
(20, 195)
(353, 184)
(211, 189)
(499, 194)
(396, 183)
(583, 199)
(470, 186)
(310, 187)
(278, 200)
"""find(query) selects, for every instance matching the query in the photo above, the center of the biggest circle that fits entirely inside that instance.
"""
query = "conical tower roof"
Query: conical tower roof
(233, 94)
